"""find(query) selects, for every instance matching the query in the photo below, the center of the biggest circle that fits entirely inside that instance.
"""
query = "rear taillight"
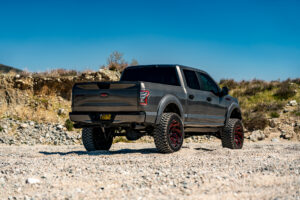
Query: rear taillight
(144, 94)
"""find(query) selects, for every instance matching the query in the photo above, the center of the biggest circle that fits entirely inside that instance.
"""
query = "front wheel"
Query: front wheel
(95, 139)
(169, 133)
(232, 135)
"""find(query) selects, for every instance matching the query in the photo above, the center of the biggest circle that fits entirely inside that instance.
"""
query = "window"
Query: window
(207, 84)
(153, 74)
(191, 79)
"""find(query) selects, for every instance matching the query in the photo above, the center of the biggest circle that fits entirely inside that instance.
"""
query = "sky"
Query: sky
(239, 39)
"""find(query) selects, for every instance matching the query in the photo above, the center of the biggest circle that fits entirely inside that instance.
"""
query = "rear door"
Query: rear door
(196, 103)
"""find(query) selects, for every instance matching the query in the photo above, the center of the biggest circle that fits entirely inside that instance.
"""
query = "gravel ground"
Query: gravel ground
(136, 171)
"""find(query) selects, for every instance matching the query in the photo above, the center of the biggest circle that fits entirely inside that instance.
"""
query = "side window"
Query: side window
(207, 84)
(191, 79)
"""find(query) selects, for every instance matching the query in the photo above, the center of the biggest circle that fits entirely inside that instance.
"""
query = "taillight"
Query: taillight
(144, 94)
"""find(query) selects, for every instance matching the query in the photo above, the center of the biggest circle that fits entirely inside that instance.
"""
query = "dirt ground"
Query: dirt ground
(266, 170)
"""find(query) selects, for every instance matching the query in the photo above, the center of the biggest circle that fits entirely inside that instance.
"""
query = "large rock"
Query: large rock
(293, 103)
(110, 75)
(287, 131)
(257, 135)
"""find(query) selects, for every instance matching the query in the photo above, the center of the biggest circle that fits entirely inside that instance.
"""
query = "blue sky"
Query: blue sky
(229, 39)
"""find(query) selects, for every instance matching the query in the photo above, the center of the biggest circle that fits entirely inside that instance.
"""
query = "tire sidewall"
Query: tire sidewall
(178, 119)
(238, 123)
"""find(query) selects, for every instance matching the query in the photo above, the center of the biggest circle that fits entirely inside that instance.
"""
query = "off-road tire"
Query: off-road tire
(232, 135)
(162, 136)
(95, 139)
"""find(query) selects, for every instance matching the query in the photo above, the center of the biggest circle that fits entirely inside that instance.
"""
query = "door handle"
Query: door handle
(191, 96)
(208, 99)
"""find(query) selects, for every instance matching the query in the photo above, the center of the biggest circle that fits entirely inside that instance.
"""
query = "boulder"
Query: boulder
(292, 103)
(257, 135)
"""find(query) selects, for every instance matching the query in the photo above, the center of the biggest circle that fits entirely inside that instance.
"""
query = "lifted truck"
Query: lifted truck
(168, 102)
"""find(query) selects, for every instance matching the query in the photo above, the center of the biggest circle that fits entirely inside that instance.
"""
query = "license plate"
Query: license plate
(105, 116)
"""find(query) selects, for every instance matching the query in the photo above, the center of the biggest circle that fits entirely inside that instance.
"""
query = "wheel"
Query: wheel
(169, 133)
(233, 134)
(95, 139)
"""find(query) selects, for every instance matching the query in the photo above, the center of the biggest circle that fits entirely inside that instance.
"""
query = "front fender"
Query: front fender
(231, 108)
(164, 102)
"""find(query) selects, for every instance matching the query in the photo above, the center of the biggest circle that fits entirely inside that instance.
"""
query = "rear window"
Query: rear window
(164, 75)
(191, 79)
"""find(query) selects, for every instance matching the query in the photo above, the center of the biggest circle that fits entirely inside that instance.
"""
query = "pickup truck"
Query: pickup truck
(168, 102)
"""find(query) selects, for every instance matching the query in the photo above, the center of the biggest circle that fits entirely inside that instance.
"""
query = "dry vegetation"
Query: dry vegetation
(261, 100)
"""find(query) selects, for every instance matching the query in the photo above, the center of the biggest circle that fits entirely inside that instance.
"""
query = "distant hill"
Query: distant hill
(6, 69)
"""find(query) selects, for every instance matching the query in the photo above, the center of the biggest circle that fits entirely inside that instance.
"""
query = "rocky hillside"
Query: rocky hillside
(43, 98)
(8, 69)
(34, 107)
(270, 109)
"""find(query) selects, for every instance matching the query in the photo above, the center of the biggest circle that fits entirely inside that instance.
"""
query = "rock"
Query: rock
(285, 110)
(60, 127)
(272, 123)
(257, 135)
(275, 140)
(109, 74)
(287, 136)
(24, 125)
(293, 103)
(17, 76)
(4, 127)
(32, 181)
(2, 180)
(61, 111)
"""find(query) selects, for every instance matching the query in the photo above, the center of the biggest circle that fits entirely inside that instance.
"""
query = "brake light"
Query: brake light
(144, 94)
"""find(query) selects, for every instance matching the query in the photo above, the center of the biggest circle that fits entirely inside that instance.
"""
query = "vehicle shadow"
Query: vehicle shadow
(101, 152)
(204, 149)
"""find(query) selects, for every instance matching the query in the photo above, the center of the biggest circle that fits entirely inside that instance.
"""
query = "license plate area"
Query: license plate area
(105, 117)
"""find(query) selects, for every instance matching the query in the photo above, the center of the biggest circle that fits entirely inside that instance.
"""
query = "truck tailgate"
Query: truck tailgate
(105, 96)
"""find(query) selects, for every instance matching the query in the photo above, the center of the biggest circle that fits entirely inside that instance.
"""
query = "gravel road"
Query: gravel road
(136, 171)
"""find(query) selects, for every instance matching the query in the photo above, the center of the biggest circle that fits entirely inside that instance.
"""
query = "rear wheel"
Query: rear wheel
(169, 133)
(95, 139)
(233, 134)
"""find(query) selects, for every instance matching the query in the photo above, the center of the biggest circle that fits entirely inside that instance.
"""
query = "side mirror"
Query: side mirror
(224, 91)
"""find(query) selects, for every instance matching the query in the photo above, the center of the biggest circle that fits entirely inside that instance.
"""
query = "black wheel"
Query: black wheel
(233, 134)
(95, 139)
(169, 133)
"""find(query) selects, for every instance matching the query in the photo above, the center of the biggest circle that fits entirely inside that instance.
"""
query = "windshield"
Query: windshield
(153, 74)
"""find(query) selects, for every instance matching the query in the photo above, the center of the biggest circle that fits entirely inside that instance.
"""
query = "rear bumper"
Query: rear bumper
(117, 118)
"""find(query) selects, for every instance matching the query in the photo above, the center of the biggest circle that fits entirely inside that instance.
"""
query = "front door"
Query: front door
(201, 105)
(216, 109)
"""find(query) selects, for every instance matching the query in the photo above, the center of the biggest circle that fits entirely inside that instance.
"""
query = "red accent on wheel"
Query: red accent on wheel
(175, 133)
(238, 135)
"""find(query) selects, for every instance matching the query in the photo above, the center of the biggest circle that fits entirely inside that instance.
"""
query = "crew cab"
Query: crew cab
(168, 102)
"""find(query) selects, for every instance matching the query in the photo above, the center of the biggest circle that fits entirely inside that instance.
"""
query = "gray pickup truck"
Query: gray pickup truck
(168, 102)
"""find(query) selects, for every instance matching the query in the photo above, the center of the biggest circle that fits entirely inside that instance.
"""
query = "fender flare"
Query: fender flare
(230, 109)
(164, 102)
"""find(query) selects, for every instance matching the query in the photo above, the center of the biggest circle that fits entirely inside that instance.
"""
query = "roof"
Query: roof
(169, 65)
